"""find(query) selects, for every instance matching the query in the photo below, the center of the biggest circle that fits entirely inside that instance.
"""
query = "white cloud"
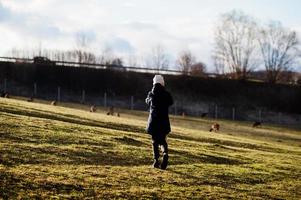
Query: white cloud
(51, 21)
(128, 26)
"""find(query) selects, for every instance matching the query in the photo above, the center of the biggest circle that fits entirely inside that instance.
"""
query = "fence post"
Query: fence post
(35, 90)
(5, 85)
(176, 111)
(83, 96)
(105, 100)
(58, 93)
(215, 111)
(279, 118)
(233, 113)
(132, 102)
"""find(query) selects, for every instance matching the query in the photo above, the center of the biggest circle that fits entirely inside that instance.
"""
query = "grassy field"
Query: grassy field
(66, 152)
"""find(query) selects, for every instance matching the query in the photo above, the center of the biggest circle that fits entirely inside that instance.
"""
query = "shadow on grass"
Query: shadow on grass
(12, 185)
(226, 181)
(218, 142)
(18, 154)
(21, 154)
(129, 141)
(182, 157)
(52, 140)
(72, 119)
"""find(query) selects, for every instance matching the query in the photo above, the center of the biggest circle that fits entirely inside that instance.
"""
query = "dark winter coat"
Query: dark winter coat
(158, 100)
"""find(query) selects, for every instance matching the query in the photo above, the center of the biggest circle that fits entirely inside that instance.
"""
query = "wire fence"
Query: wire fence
(181, 107)
(104, 66)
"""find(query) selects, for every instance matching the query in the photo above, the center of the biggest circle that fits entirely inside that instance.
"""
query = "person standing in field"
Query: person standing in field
(159, 100)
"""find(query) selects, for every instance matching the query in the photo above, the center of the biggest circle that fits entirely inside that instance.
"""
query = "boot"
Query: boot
(164, 162)
(156, 163)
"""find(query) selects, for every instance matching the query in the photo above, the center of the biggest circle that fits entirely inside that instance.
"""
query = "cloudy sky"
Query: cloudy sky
(130, 27)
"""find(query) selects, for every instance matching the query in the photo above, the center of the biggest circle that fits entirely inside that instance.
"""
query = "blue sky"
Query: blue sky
(131, 28)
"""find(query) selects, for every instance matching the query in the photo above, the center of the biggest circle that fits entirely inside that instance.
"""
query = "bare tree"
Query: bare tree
(235, 44)
(118, 62)
(70, 56)
(15, 53)
(132, 61)
(107, 56)
(219, 64)
(81, 45)
(287, 77)
(185, 61)
(198, 69)
(82, 49)
(279, 49)
(159, 58)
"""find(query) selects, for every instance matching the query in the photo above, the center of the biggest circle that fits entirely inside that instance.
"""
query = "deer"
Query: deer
(93, 108)
(214, 127)
(256, 124)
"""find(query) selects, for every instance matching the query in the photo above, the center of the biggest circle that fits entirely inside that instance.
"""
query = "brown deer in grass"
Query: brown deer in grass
(93, 108)
(30, 99)
(256, 124)
(111, 111)
(214, 127)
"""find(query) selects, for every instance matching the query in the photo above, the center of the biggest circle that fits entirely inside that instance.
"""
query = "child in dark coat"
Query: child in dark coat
(159, 100)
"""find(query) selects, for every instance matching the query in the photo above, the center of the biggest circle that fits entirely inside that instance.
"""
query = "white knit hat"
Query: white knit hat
(158, 79)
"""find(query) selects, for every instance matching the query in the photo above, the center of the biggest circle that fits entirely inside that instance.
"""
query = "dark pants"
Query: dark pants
(159, 141)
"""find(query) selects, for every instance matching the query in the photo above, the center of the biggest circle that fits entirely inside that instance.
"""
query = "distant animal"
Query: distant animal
(214, 127)
(30, 99)
(53, 103)
(111, 111)
(118, 114)
(256, 124)
(93, 108)
(203, 115)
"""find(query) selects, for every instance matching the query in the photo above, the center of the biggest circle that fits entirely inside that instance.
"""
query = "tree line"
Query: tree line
(241, 46)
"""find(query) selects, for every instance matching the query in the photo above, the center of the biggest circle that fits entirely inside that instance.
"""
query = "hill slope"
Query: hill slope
(60, 152)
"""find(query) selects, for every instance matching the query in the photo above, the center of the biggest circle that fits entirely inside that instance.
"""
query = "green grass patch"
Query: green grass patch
(66, 152)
